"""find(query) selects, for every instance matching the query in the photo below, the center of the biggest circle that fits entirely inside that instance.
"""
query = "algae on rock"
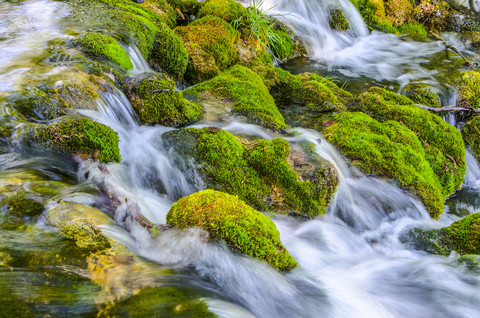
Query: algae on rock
(229, 218)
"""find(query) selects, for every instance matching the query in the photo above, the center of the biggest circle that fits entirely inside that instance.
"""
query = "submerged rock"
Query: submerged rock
(242, 91)
(78, 135)
(263, 173)
(156, 101)
(241, 227)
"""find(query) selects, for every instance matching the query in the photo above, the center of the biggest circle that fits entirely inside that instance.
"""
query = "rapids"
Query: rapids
(353, 262)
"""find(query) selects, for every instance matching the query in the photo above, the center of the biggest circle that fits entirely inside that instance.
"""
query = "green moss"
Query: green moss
(80, 135)
(210, 43)
(228, 10)
(471, 135)
(431, 130)
(469, 90)
(423, 94)
(104, 46)
(168, 53)
(391, 149)
(186, 6)
(316, 92)
(21, 205)
(243, 229)
(36, 105)
(249, 96)
(157, 102)
(413, 30)
(258, 172)
(337, 20)
(160, 302)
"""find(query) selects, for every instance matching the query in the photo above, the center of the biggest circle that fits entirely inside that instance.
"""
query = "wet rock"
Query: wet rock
(471, 135)
(423, 94)
(469, 90)
(226, 217)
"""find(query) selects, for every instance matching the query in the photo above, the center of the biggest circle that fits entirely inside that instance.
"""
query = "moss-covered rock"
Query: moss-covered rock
(73, 135)
(210, 43)
(157, 102)
(22, 205)
(80, 224)
(309, 89)
(463, 236)
(160, 302)
(228, 10)
(337, 20)
(243, 229)
(189, 7)
(244, 92)
(469, 90)
(423, 94)
(471, 38)
(391, 149)
(169, 53)
(260, 172)
(36, 105)
(163, 9)
(471, 135)
(104, 46)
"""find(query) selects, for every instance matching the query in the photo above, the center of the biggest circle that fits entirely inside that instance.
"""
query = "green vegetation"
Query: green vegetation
(21, 205)
(243, 229)
(186, 6)
(258, 171)
(316, 92)
(36, 105)
(337, 20)
(469, 90)
(248, 94)
(73, 135)
(160, 302)
(157, 102)
(228, 10)
(210, 43)
(424, 95)
(168, 53)
(104, 46)
(471, 135)
(391, 149)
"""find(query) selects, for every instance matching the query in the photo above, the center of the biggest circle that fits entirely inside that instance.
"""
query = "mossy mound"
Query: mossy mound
(228, 10)
(80, 224)
(471, 135)
(160, 302)
(391, 149)
(337, 20)
(243, 228)
(104, 46)
(469, 90)
(190, 7)
(169, 53)
(316, 92)
(210, 43)
(259, 172)
(163, 9)
(471, 39)
(73, 135)
(443, 142)
(22, 205)
(423, 94)
(246, 94)
(157, 102)
(463, 236)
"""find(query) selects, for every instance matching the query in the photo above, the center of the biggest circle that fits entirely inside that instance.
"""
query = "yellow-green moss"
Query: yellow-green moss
(391, 149)
(186, 6)
(22, 205)
(249, 96)
(104, 46)
(471, 135)
(36, 105)
(441, 140)
(256, 171)
(469, 90)
(337, 20)
(80, 135)
(210, 42)
(157, 102)
(423, 94)
(243, 229)
(228, 10)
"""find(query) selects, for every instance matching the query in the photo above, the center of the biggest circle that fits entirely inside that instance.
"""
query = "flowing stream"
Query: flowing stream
(352, 260)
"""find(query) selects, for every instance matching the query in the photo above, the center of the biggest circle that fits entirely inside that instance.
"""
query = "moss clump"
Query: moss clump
(471, 135)
(314, 91)
(36, 105)
(157, 102)
(258, 172)
(80, 135)
(337, 20)
(186, 6)
(424, 95)
(243, 229)
(21, 205)
(391, 149)
(248, 94)
(160, 302)
(228, 10)
(442, 141)
(210, 43)
(104, 46)
(469, 90)
(168, 53)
